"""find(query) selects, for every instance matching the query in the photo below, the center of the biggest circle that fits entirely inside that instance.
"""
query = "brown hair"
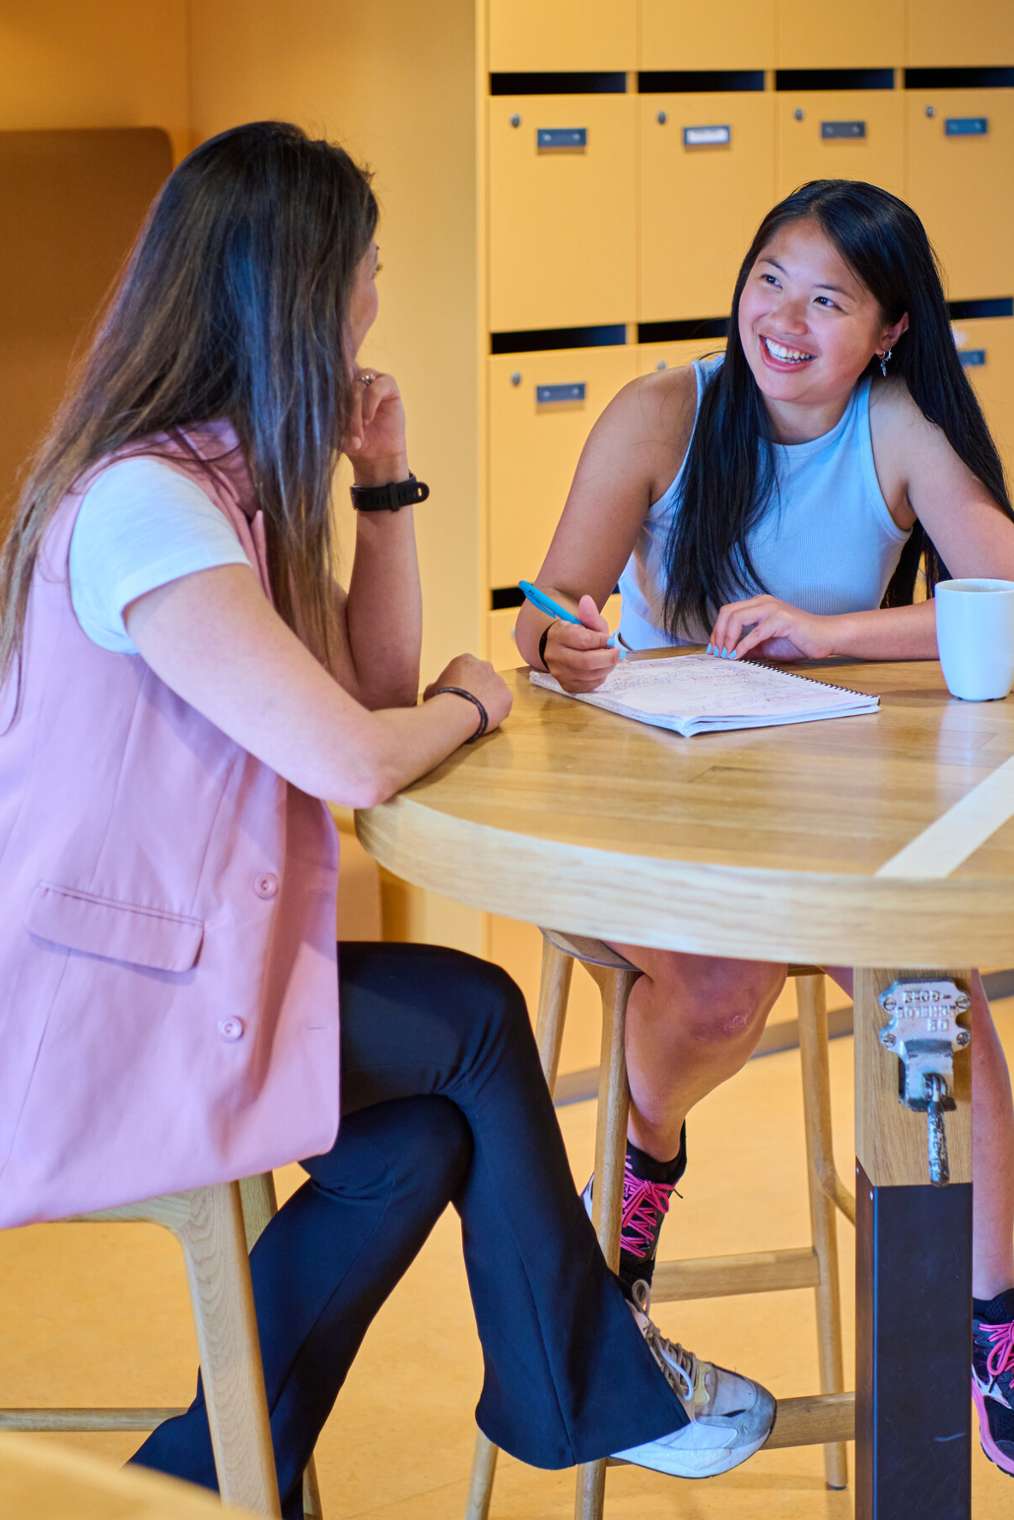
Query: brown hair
(233, 303)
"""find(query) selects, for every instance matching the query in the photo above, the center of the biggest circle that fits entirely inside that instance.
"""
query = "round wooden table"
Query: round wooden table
(883, 842)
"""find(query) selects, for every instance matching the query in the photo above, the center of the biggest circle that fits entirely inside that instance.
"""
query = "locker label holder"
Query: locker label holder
(707, 137)
(561, 139)
(560, 395)
(843, 131)
(972, 358)
(966, 126)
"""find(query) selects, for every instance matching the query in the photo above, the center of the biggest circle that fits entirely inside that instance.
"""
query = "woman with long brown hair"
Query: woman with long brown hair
(182, 681)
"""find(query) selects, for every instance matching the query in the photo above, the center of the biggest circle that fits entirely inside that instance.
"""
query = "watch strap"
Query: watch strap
(390, 497)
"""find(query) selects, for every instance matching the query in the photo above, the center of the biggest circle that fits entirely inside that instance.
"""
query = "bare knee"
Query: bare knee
(712, 1001)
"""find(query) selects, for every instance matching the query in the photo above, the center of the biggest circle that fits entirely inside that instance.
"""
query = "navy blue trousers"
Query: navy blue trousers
(443, 1101)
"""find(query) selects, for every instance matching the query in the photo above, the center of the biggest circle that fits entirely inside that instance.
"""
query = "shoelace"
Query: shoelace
(678, 1365)
(645, 1205)
(1001, 1355)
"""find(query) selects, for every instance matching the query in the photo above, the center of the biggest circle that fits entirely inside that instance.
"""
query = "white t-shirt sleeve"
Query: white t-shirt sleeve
(140, 526)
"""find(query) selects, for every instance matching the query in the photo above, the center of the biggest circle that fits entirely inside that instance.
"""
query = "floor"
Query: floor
(97, 1314)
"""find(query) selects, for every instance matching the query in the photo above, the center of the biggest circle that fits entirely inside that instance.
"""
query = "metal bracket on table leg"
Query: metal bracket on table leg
(923, 1032)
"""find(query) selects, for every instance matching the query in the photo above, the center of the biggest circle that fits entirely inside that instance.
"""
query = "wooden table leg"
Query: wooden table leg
(913, 1285)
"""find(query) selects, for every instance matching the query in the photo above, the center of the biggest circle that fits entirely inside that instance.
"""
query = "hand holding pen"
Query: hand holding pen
(578, 648)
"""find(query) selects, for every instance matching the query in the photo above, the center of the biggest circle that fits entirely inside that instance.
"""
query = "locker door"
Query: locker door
(873, 37)
(960, 152)
(840, 134)
(562, 207)
(727, 34)
(501, 650)
(948, 36)
(528, 36)
(652, 357)
(541, 409)
(707, 178)
(986, 348)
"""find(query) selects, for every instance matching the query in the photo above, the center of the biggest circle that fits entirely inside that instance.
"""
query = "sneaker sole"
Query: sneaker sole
(727, 1463)
(989, 1447)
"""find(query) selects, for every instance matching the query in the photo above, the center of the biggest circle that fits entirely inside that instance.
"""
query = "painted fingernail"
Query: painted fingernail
(709, 650)
(734, 655)
(725, 653)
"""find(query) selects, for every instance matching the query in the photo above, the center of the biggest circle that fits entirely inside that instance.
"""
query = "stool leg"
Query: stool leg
(260, 1203)
(213, 1241)
(610, 1155)
(554, 990)
(480, 1484)
(554, 987)
(813, 1051)
(312, 1507)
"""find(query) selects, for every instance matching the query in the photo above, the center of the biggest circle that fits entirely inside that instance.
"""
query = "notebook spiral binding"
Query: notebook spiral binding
(846, 691)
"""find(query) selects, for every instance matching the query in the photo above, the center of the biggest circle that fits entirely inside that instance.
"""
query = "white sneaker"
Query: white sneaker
(729, 1416)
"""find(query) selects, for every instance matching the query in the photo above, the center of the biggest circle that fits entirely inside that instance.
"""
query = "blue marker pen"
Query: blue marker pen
(553, 609)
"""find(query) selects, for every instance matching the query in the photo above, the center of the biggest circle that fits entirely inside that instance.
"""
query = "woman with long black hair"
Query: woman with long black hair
(182, 680)
(779, 501)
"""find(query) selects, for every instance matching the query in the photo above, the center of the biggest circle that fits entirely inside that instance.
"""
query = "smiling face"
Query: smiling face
(808, 326)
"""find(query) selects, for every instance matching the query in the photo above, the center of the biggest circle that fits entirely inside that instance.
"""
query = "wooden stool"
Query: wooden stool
(216, 1228)
(813, 1266)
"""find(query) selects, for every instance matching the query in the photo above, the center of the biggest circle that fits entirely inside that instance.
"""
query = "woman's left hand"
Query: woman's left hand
(774, 630)
(375, 439)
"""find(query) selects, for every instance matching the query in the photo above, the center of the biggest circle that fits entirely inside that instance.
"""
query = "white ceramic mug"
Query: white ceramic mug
(975, 637)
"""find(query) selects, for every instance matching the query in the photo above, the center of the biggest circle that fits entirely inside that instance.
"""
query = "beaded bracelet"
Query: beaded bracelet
(469, 696)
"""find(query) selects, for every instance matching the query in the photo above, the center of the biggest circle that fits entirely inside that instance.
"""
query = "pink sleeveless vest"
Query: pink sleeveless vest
(168, 978)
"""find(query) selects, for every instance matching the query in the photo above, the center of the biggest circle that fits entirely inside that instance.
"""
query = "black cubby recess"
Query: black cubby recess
(612, 335)
(612, 83)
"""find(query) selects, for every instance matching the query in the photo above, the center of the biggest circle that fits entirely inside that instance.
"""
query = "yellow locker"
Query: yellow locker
(948, 36)
(501, 650)
(541, 409)
(960, 152)
(652, 357)
(528, 36)
(727, 34)
(986, 348)
(840, 134)
(562, 205)
(873, 38)
(707, 179)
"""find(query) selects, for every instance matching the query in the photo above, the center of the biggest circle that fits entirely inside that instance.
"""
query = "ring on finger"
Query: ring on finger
(367, 377)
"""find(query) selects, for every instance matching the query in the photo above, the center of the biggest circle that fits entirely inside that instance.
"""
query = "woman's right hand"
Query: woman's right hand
(478, 677)
(579, 656)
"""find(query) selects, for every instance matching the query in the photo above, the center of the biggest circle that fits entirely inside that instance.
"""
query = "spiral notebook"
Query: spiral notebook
(698, 694)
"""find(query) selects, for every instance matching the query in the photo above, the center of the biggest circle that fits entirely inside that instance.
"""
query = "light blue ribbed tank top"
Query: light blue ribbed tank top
(827, 543)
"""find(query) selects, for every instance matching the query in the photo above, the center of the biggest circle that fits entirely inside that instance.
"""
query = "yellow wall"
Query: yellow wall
(94, 63)
(398, 90)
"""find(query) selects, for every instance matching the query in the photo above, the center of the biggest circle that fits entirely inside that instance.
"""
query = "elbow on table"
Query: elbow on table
(374, 778)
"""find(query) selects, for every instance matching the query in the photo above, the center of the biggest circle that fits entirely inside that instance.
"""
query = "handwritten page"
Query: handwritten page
(693, 694)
